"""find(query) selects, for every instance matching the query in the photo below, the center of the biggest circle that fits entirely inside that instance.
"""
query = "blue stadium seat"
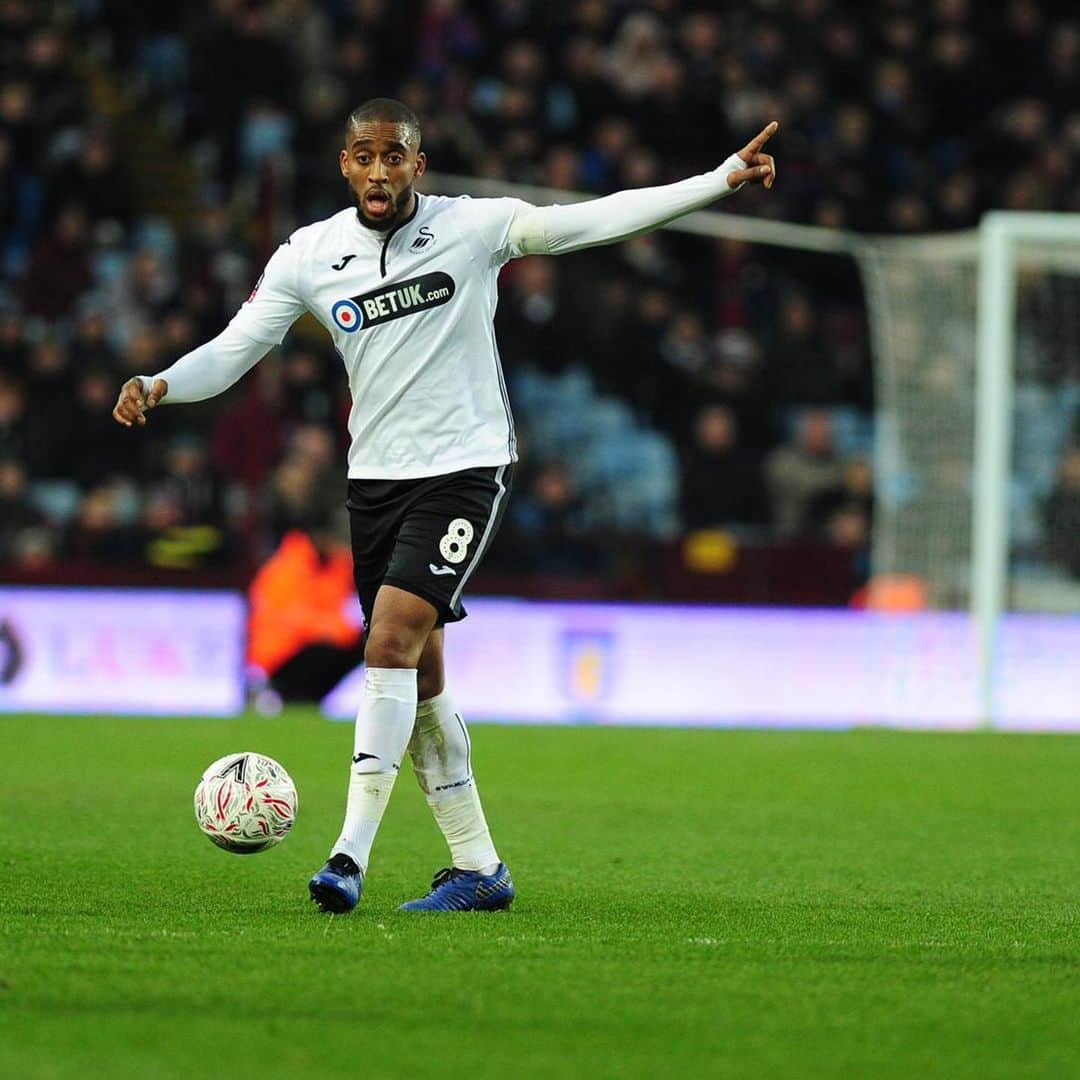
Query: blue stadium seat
(58, 500)
(574, 385)
(1025, 517)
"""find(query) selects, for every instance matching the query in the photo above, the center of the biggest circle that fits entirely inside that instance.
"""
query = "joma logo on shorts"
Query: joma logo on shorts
(393, 301)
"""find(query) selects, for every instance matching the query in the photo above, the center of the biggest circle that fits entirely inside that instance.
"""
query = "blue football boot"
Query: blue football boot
(467, 890)
(336, 888)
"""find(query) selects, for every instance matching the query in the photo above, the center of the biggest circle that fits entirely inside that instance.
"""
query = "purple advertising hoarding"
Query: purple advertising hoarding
(517, 660)
(157, 651)
(121, 650)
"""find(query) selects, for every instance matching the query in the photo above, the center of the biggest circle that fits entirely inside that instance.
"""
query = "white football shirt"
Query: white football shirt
(410, 312)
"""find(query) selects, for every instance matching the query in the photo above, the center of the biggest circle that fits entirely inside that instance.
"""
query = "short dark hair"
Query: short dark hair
(388, 111)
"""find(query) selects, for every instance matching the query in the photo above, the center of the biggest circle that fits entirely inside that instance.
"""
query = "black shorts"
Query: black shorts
(425, 536)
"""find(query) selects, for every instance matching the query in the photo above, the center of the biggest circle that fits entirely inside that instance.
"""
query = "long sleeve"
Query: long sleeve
(211, 368)
(260, 324)
(556, 230)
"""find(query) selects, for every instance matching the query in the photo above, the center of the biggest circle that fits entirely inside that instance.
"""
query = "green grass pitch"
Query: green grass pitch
(691, 903)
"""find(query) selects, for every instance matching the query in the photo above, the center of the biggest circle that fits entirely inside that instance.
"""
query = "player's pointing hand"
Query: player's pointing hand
(133, 403)
(761, 168)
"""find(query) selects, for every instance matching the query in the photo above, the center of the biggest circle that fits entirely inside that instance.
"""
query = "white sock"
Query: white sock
(442, 760)
(383, 726)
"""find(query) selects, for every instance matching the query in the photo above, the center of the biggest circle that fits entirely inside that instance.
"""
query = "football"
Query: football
(245, 803)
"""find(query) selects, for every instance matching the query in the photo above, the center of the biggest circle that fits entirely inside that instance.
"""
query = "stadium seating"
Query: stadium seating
(189, 163)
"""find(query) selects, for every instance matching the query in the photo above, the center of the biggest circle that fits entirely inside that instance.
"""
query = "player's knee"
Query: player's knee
(390, 646)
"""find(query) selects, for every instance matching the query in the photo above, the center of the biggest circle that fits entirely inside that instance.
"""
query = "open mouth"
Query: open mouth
(377, 202)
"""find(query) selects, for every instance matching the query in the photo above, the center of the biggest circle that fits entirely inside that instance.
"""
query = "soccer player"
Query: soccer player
(405, 284)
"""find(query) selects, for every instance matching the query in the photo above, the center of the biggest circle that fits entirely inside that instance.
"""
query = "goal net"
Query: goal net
(927, 313)
(922, 300)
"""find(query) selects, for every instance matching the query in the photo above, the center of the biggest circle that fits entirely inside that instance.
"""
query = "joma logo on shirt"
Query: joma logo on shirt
(393, 301)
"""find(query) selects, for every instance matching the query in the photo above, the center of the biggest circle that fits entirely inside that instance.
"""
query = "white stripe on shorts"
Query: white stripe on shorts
(485, 538)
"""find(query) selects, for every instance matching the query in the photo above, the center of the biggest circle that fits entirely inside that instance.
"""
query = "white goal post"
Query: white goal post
(950, 315)
(1009, 242)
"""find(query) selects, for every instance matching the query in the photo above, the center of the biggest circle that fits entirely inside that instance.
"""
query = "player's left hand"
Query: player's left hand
(760, 168)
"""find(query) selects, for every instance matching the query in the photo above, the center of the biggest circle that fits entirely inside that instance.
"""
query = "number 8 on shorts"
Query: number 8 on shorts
(454, 546)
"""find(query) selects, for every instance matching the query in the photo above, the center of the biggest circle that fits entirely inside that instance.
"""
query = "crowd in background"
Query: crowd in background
(152, 156)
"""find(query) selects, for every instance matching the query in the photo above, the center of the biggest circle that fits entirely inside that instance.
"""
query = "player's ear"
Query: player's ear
(343, 161)
(421, 163)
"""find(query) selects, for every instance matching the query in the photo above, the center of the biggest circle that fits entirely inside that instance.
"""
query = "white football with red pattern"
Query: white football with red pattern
(245, 803)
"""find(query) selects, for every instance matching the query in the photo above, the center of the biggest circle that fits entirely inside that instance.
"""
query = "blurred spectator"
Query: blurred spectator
(314, 444)
(35, 549)
(545, 520)
(721, 481)
(52, 411)
(250, 433)
(611, 144)
(183, 516)
(843, 516)
(119, 254)
(14, 440)
(308, 386)
(13, 344)
(848, 526)
(684, 345)
(90, 346)
(18, 120)
(57, 101)
(17, 513)
(799, 472)
(59, 271)
(685, 349)
(190, 484)
(179, 335)
(798, 366)
(237, 56)
(315, 447)
(144, 291)
(735, 376)
(852, 499)
(532, 322)
(1062, 515)
(302, 489)
(101, 449)
(101, 531)
(93, 179)
(638, 56)
(636, 371)
(302, 637)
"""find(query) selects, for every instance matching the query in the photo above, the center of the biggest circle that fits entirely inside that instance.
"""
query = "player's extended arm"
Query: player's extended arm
(208, 370)
(275, 303)
(556, 230)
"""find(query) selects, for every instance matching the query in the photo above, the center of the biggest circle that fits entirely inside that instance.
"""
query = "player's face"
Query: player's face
(380, 167)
